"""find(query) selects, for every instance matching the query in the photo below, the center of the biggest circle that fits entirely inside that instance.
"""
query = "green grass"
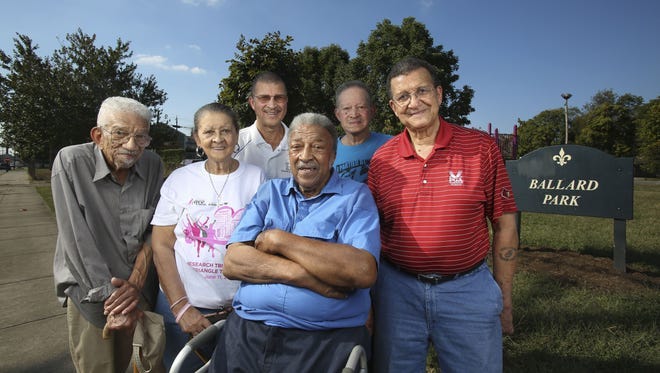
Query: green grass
(42, 176)
(46, 195)
(569, 327)
(566, 327)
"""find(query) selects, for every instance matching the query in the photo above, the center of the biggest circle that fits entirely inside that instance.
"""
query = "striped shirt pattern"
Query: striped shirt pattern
(434, 212)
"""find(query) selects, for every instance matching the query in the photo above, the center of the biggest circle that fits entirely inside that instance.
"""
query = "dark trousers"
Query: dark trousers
(251, 347)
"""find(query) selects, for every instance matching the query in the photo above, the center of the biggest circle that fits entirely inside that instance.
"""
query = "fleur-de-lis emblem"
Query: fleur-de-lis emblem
(562, 158)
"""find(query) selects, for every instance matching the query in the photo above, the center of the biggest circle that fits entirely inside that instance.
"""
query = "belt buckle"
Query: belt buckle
(434, 278)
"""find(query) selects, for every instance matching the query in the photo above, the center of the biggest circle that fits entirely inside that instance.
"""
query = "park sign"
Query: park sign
(576, 180)
(573, 180)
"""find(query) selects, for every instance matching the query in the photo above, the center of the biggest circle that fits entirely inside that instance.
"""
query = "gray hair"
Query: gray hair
(314, 119)
(116, 104)
(215, 107)
(407, 65)
(266, 77)
(353, 84)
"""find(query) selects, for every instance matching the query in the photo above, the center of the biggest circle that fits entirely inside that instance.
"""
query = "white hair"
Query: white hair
(113, 105)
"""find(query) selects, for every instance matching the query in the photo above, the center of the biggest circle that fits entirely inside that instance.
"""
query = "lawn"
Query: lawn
(585, 316)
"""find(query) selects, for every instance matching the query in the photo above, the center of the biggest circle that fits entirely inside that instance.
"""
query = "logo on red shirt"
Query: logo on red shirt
(455, 179)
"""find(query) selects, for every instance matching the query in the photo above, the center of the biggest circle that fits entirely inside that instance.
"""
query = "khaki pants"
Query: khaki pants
(90, 352)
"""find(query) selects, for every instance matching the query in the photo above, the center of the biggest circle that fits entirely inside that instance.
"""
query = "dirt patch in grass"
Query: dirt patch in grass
(570, 267)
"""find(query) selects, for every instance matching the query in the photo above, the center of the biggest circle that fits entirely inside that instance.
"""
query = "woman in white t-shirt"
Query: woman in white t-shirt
(200, 204)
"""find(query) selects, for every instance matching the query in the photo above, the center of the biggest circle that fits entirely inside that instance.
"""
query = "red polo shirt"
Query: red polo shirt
(433, 211)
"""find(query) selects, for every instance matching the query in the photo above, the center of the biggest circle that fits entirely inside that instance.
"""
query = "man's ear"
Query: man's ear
(438, 90)
(392, 106)
(96, 133)
(251, 102)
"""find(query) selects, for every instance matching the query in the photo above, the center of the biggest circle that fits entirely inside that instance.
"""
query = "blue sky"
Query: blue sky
(518, 55)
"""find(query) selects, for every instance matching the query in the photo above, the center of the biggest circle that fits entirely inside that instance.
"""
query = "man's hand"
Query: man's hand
(193, 322)
(124, 322)
(268, 241)
(506, 317)
(123, 300)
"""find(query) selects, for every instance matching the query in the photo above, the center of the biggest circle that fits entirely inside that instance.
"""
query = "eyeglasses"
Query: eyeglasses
(349, 109)
(403, 98)
(121, 137)
(264, 99)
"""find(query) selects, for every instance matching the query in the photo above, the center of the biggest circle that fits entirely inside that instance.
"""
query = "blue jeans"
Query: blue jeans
(175, 338)
(460, 317)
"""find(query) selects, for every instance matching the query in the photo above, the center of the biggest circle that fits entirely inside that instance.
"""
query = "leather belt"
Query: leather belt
(220, 314)
(434, 278)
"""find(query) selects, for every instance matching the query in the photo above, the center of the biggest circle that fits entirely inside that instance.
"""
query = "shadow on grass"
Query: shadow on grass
(561, 326)
(543, 361)
(647, 263)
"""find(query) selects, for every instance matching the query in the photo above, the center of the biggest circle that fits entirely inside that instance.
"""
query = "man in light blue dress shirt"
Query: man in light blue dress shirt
(306, 251)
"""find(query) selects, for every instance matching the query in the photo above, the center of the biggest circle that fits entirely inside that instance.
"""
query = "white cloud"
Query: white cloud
(160, 62)
(180, 68)
(144, 59)
(426, 3)
(195, 47)
(204, 2)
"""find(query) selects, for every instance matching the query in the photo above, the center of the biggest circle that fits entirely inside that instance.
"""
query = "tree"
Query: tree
(27, 101)
(321, 72)
(648, 137)
(609, 123)
(254, 56)
(48, 103)
(87, 75)
(313, 74)
(389, 43)
(545, 129)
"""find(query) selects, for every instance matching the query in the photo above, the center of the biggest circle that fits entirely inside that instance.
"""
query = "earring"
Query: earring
(199, 152)
(237, 148)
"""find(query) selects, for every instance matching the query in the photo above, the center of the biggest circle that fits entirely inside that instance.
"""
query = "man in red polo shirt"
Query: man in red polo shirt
(436, 186)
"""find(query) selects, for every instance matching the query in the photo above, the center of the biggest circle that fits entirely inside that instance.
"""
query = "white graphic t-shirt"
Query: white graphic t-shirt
(204, 224)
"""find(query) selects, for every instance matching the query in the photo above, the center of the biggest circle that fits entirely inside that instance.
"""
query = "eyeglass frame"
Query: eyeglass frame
(419, 93)
(347, 110)
(264, 99)
(125, 139)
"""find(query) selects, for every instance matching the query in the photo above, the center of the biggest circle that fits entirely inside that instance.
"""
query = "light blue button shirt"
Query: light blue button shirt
(344, 212)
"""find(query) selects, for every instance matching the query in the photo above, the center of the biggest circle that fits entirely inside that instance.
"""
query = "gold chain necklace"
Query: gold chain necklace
(213, 185)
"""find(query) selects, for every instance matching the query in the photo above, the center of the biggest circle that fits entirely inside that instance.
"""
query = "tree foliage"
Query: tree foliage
(621, 125)
(389, 43)
(321, 71)
(51, 102)
(648, 137)
(313, 74)
(26, 100)
(545, 129)
(272, 53)
(609, 123)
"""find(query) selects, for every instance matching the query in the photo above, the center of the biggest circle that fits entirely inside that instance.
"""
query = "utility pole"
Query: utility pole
(566, 96)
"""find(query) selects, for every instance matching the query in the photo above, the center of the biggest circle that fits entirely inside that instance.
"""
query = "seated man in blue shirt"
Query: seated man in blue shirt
(306, 251)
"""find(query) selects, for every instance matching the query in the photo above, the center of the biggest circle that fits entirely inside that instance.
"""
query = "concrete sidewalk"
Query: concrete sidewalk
(33, 333)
